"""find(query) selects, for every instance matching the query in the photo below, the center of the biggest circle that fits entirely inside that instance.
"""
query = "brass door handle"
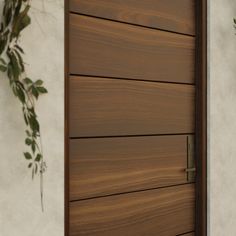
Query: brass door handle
(190, 170)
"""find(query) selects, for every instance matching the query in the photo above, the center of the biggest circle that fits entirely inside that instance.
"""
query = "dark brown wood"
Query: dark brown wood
(162, 212)
(109, 49)
(100, 167)
(188, 234)
(170, 15)
(108, 107)
(201, 118)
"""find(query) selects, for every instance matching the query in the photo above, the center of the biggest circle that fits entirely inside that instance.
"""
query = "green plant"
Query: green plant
(15, 19)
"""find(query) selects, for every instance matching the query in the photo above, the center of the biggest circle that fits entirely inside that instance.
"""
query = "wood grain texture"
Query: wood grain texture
(170, 15)
(110, 107)
(100, 167)
(110, 49)
(188, 234)
(162, 212)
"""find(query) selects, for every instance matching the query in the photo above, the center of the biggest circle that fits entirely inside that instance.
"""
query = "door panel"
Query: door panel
(111, 49)
(162, 212)
(108, 107)
(107, 166)
(170, 15)
(131, 109)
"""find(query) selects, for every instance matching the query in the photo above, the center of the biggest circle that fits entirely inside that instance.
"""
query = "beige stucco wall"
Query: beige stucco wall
(222, 118)
(20, 212)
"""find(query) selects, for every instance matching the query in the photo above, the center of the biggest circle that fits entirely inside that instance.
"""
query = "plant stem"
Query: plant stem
(41, 174)
(41, 190)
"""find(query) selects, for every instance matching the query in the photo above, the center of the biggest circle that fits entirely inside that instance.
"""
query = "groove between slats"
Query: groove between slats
(129, 79)
(177, 16)
(130, 192)
(113, 49)
(133, 24)
(167, 211)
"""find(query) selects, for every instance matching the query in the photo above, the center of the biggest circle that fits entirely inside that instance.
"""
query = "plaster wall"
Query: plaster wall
(221, 118)
(20, 210)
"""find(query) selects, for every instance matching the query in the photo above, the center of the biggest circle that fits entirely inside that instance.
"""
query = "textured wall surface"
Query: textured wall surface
(20, 211)
(222, 118)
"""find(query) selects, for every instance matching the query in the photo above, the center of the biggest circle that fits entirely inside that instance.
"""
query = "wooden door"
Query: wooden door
(131, 112)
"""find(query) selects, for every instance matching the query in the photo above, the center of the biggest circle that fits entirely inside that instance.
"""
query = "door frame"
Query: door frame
(200, 124)
(201, 118)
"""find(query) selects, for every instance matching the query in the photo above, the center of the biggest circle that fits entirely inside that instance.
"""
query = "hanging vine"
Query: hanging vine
(15, 18)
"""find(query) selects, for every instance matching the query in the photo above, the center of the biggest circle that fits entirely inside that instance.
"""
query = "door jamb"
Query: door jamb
(201, 118)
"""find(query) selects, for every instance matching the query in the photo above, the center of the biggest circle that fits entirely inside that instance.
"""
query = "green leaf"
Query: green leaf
(39, 82)
(18, 7)
(34, 124)
(33, 147)
(8, 15)
(35, 134)
(30, 165)
(21, 62)
(28, 141)
(21, 94)
(15, 66)
(14, 88)
(3, 61)
(42, 90)
(28, 80)
(31, 111)
(3, 43)
(28, 133)
(27, 156)
(3, 68)
(9, 71)
(20, 22)
(19, 49)
(38, 158)
(1, 27)
(26, 119)
(35, 92)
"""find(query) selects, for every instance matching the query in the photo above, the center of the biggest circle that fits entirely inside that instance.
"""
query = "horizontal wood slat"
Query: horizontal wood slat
(107, 166)
(170, 15)
(188, 234)
(110, 107)
(110, 49)
(162, 212)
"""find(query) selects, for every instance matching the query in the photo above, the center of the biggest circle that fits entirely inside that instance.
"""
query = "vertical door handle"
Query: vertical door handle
(191, 169)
